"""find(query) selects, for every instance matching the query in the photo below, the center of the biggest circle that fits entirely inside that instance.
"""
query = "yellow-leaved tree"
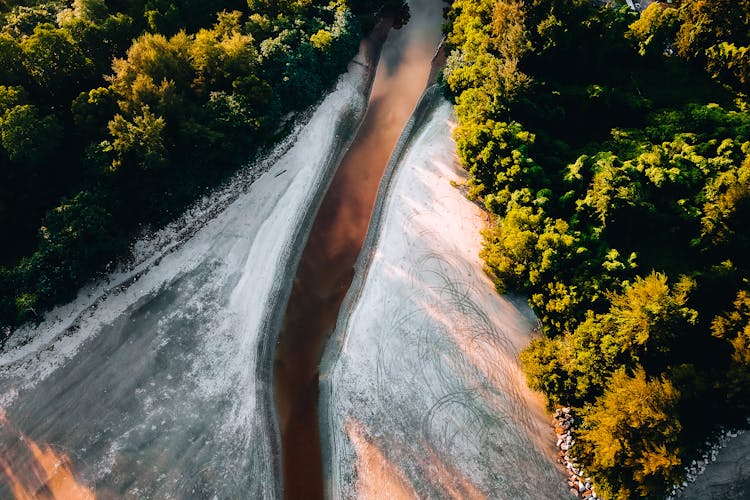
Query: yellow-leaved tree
(629, 436)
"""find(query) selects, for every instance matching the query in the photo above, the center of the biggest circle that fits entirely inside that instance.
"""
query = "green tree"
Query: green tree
(155, 69)
(705, 23)
(728, 62)
(640, 328)
(650, 316)
(90, 10)
(22, 20)
(222, 54)
(727, 202)
(28, 137)
(734, 328)
(11, 97)
(77, 237)
(139, 142)
(55, 63)
(11, 61)
(92, 110)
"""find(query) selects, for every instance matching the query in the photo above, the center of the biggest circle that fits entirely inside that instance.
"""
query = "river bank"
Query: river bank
(156, 382)
(723, 472)
(421, 391)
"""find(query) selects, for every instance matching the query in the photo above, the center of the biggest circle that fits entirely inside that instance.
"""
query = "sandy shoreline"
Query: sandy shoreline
(157, 381)
(421, 375)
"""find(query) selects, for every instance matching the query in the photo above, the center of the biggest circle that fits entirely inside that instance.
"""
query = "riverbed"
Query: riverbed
(156, 382)
(422, 394)
(327, 264)
(159, 380)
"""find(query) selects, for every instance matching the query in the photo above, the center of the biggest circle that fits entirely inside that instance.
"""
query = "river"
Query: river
(327, 265)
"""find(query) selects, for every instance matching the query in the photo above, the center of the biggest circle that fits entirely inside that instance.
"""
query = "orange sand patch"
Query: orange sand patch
(377, 477)
(453, 482)
(34, 471)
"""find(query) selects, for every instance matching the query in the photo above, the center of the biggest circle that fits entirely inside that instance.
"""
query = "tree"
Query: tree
(101, 40)
(90, 10)
(11, 97)
(734, 328)
(640, 328)
(655, 29)
(55, 63)
(613, 186)
(630, 436)
(650, 316)
(222, 54)
(92, 110)
(22, 20)
(526, 248)
(163, 16)
(77, 237)
(727, 203)
(322, 40)
(155, 69)
(705, 23)
(28, 137)
(11, 61)
(728, 62)
(547, 372)
(139, 142)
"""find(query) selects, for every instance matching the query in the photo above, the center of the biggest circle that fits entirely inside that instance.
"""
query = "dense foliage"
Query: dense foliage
(614, 151)
(115, 114)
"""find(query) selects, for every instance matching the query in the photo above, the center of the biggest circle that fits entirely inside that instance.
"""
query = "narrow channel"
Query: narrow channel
(326, 267)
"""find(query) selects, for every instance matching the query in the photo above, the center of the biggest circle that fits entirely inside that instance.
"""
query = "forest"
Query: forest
(116, 114)
(613, 151)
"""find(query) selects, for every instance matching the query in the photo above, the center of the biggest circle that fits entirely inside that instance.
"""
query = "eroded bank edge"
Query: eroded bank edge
(427, 104)
(288, 262)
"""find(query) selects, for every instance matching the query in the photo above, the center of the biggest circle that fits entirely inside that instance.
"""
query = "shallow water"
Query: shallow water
(327, 264)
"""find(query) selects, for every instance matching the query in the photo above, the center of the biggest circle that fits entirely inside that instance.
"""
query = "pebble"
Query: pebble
(565, 430)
